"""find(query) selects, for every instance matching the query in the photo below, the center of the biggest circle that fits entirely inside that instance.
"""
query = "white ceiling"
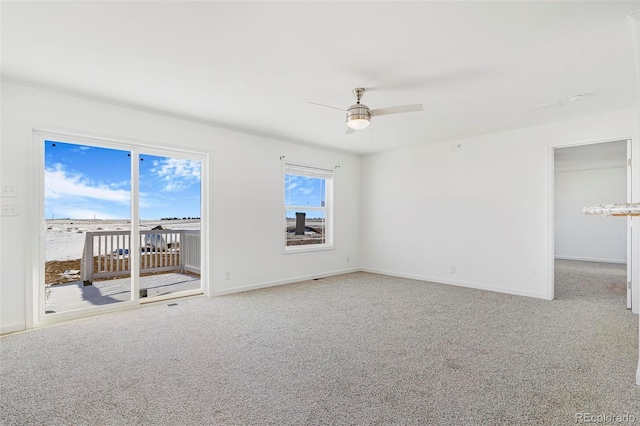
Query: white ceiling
(253, 66)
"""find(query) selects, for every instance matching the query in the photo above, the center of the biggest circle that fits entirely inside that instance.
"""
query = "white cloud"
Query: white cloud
(177, 174)
(145, 201)
(80, 149)
(62, 184)
(123, 184)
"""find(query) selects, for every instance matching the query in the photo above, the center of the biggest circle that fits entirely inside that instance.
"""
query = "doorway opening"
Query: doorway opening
(592, 255)
(119, 227)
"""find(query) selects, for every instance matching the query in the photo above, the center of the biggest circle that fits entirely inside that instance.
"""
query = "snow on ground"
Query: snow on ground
(64, 239)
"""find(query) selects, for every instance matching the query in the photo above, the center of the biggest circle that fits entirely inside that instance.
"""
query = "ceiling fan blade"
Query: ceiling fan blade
(397, 109)
(349, 130)
(326, 106)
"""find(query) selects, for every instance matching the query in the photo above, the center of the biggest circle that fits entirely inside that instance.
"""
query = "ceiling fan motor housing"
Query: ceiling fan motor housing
(358, 112)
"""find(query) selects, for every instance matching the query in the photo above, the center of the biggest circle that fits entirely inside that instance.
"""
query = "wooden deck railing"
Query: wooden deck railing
(107, 254)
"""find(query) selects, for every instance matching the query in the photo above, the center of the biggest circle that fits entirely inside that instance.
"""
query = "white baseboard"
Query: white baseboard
(459, 284)
(590, 259)
(388, 273)
(282, 282)
(5, 329)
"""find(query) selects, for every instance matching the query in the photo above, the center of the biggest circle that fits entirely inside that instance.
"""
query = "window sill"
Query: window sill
(304, 249)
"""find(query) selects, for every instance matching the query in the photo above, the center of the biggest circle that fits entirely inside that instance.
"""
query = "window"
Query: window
(307, 205)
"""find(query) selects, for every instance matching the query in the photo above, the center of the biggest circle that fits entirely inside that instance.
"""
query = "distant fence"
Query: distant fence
(107, 254)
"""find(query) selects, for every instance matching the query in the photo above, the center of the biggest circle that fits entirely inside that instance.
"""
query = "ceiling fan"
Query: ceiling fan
(359, 115)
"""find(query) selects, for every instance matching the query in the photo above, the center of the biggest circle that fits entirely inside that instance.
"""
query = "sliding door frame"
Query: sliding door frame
(35, 293)
(162, 152)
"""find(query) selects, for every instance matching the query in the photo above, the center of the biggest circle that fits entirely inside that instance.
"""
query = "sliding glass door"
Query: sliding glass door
(117, 227)
(169, 225)
(87, 241)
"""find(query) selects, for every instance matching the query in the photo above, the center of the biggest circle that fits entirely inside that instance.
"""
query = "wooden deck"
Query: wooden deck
(74, 295)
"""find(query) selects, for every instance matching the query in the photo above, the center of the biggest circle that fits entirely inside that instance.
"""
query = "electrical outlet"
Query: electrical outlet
(10, 191)
(452, 269)
(348, 259)
(227, 276)
(9, 209)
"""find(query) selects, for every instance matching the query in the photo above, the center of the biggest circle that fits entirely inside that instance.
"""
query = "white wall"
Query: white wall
(245, 184)
(591, 238)
(484, 207)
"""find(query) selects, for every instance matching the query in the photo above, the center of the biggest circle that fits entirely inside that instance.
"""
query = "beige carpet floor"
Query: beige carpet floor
(358, 349)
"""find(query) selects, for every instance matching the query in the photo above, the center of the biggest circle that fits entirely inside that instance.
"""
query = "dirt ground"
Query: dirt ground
(54, 269)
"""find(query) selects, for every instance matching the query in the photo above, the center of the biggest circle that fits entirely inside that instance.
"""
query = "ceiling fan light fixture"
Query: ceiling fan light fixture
(358, 116)
(358, 123)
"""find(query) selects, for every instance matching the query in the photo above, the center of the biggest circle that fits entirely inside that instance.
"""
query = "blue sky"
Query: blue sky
(83, 182)
(302, 191)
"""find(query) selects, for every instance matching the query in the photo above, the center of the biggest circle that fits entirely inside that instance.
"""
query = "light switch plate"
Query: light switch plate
(10, 191)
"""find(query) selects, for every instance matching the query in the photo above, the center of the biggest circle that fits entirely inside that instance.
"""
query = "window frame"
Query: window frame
(328, 208)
